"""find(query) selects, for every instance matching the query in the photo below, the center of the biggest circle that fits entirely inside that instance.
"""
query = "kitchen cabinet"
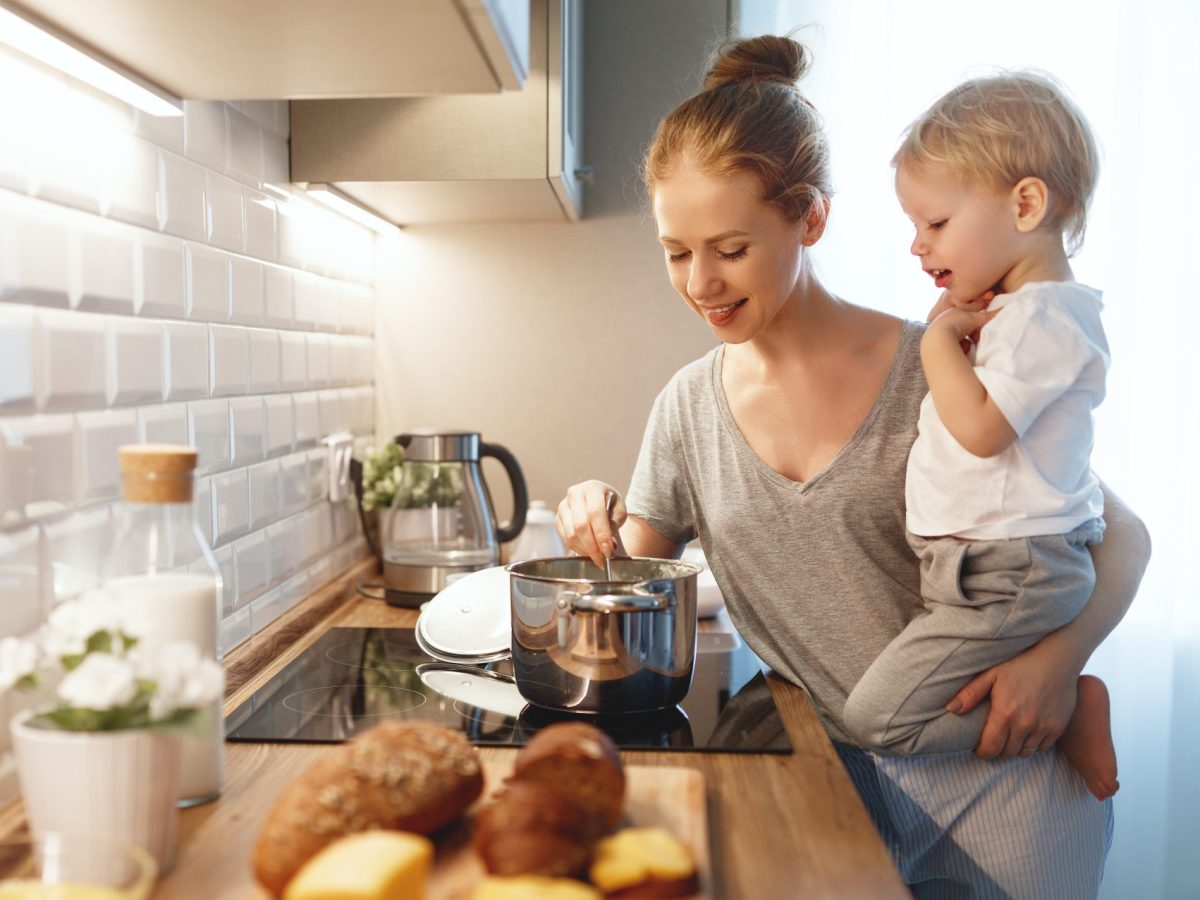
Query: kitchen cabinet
(416, 160)
(284, 49)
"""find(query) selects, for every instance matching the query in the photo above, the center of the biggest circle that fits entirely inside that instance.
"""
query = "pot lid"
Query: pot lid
(471, 617)
(480, 689)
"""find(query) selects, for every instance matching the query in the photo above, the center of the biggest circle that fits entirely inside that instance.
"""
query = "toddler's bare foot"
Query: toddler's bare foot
(1088, 742)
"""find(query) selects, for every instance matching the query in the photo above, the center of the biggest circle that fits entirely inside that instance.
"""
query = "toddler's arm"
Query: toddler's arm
(961, 400)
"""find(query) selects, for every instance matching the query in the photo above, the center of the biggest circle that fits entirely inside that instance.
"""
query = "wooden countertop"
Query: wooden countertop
(781, 826)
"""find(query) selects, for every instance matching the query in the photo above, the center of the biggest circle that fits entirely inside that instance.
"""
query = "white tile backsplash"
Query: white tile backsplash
(308, 419)
(318, 359)
(207, 283)
(260, 225)
(187, 356)
(245, 291)
(225, 225)
(250, 555)
(231, 506)
(208, 432)
(40, 253)
(293, 361)
(20, 581)
(37, 466)
(204, 133)
(98, 435)
(227, 360)
(16, 358)
(280, 425)
(105, 265)
(162, 287)
(135, 360)
(71, 350)
(130, 192)
(246, 415)
(165, 424)
(245, 151)
(148, 292)
(278, 296)
(264, 494)
(181, 207)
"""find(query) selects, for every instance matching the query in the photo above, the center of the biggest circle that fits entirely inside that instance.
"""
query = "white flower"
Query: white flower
(183, 679)
(18, 658)
(71, 624)
(102, 681)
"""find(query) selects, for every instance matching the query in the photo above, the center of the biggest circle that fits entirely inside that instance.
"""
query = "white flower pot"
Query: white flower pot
(120, 785)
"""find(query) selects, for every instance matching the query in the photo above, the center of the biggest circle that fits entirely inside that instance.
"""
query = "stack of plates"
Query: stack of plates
(470, 621)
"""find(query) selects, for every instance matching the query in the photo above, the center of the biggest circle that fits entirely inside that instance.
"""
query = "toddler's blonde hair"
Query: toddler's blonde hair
(998, 129)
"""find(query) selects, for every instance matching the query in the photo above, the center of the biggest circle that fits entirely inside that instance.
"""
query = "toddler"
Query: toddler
(1001, 500)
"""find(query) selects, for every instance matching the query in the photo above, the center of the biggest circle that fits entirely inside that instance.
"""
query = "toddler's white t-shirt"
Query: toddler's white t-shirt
(1042, 360)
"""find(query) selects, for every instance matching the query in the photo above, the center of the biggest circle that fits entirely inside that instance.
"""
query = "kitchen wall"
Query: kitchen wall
(553, 339)
(156, 287)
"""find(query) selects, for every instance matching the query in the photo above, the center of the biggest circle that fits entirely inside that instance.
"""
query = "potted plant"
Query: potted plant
(99, 751)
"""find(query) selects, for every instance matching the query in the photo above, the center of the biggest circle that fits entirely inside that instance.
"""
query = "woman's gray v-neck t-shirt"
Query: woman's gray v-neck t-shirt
(817, 576)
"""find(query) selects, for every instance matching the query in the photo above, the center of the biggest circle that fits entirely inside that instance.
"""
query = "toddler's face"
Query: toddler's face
(966, 235)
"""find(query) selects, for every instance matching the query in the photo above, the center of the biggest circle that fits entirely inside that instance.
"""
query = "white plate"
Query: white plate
(471, 617)
(476, 689)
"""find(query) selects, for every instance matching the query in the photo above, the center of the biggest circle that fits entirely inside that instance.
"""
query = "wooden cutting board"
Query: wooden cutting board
(667, 797)
(672, 798)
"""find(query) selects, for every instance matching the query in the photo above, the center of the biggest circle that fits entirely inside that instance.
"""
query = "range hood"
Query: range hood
(490, 158)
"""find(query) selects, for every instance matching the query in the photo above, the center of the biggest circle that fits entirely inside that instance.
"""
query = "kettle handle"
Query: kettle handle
(516, 477)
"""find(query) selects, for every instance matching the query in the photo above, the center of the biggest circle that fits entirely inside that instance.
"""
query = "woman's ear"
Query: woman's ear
(814, 221)
(1031, 203)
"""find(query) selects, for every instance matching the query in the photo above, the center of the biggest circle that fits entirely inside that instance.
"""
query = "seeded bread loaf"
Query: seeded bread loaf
(581, 761)
(410, 776)
(531, 829)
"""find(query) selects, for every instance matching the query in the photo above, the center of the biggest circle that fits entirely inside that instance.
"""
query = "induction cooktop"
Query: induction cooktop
(352, 678)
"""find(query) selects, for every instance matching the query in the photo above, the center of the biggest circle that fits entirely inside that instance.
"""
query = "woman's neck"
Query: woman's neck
(810, 321)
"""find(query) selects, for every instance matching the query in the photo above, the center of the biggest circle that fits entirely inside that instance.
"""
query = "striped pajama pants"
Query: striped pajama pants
(963, 828)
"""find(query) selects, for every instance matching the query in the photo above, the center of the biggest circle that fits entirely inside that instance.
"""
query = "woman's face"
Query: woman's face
(734, 259)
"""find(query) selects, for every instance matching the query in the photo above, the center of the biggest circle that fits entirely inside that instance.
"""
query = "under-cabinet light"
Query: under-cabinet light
(335, 199)
(56, 49)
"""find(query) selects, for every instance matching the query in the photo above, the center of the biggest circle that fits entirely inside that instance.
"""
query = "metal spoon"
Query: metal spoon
(608, 508)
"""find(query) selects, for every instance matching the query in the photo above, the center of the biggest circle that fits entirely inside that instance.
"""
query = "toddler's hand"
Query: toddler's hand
(980, 303)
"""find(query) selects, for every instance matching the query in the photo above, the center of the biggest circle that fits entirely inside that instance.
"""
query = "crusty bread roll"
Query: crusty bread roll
(411, 776)
(581, 761)
(531, 829)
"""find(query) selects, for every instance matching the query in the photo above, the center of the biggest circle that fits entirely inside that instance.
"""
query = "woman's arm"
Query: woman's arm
(1033, 694)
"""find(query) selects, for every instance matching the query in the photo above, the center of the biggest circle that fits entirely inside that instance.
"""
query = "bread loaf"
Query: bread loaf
(531, 829)
(411, 776)
(580, 761)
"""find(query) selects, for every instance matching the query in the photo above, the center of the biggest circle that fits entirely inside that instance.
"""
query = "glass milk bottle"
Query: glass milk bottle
(163, 571)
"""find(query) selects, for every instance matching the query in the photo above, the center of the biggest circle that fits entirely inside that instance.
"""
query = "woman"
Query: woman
(784, 451)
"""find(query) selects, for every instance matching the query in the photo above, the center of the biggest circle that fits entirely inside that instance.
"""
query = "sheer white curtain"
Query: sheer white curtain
(1134, 68)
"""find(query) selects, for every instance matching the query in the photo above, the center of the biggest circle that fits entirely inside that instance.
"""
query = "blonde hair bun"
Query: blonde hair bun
(767, 58)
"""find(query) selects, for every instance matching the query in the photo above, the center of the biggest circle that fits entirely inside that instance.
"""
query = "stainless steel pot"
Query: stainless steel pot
(586, 644)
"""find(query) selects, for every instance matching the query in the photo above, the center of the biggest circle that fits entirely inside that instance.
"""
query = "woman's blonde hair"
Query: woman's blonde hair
(998, 129)
(750, 117)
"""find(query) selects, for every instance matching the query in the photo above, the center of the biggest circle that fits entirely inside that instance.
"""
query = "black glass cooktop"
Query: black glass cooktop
(353, 677)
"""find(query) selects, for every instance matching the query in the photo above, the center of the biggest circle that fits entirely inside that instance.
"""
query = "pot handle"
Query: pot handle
(613, 603)
(510, 529)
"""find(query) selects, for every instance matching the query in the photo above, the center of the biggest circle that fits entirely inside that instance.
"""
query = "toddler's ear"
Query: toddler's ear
(1031, 202)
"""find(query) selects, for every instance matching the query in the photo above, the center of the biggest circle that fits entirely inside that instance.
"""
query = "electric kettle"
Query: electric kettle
(441, 522)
